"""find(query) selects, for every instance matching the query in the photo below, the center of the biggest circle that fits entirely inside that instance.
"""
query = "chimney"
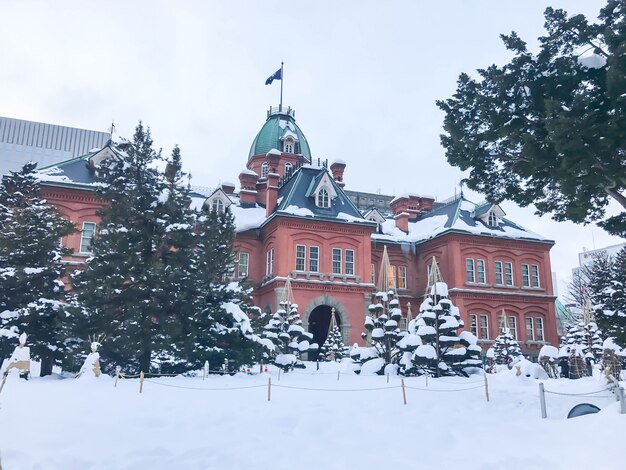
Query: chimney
(401, 212)
(337, 168)
(271, 195)
(402, 221)
(228, 188)
(247, 185)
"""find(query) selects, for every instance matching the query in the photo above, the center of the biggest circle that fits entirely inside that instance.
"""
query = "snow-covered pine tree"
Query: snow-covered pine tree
(609, 297)
(333, 348)
(284, 329)
(31, 292)
(442, 352)
(506, 349)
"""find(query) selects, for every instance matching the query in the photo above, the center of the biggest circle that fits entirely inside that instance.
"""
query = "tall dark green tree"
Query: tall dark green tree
(610, 301)
(32, 295)
(549, 128)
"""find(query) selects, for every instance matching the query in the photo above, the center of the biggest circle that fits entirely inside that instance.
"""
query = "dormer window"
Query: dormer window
(218, 206)
(493, 220)
(288, 169)
(288, 146)
(264, 170)
(323, 200)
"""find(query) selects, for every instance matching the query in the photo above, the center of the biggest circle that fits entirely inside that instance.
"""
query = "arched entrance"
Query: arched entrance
(319, 322)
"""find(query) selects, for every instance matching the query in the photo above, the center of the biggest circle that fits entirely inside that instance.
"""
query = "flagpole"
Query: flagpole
(282, 79)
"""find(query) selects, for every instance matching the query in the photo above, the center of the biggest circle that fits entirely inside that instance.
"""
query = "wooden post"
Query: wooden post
(4, 379)
(338, 372)
(206, 370)
(622, 400)
(486, 386)
(269, 388)
(403, 391)
(387, 377)
(542, 400)
(141, 377)
(426, 375)
(117, 375)
(279, 374)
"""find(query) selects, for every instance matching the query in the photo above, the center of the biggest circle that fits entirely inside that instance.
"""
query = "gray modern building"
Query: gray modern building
(22, 141)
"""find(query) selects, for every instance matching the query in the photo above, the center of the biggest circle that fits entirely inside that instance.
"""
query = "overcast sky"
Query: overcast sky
(363, 77)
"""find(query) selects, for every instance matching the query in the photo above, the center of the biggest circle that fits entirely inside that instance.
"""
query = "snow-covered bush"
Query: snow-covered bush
(506, 349)
(286, 333)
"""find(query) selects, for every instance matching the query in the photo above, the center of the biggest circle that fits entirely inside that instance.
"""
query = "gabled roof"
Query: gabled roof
(456, 216)
(297, 197)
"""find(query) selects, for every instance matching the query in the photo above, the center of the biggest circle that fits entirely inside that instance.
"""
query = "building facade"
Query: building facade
(295, 220)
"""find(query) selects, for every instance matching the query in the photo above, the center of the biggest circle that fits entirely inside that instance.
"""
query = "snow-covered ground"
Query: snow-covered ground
(227, 423)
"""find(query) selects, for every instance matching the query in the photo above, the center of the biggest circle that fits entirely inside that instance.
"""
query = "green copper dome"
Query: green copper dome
(280, 126)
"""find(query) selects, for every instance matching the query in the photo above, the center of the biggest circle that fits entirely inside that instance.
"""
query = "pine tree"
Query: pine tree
(284, 329)
(506, 349)
(609, 299)
(31, 293)
(333, 348)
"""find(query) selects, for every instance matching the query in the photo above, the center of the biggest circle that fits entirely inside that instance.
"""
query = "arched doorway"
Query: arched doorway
(319, 323)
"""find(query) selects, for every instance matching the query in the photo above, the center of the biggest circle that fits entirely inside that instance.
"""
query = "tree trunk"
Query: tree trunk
(46, 366)
(619, 197)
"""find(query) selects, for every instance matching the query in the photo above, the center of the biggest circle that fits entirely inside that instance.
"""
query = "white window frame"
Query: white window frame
(314, 258)
(264, 170)
(300, 258)
(288, 168)
(492, 221)
(470, 270)
(534, 276)
(474, 324)
(243, 266)
(350, 266)
(480, 271)
(323, 198)
(401, 277)
(336, 261)
(86, 242)
(218, 205)
(289, 146)
(508, 274)
(269, 262)
(499, 273)
(525, 275)
(484, 327)
(539, 331)
(512, 326)
(530, 329)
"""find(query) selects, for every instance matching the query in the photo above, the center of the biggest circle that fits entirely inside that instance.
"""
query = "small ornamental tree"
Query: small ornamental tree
(506, 349)
(284, 329)
(32, 295)
(333, 348)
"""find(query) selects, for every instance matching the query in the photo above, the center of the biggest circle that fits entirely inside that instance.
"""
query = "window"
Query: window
(350, 262)
(525, 275)
(288, 169)
(484, 327)
(429, 268)
(499, 273)
(539, 329)
(392, 275)
(86, 237)
(242, 265)
(473, 325)
(218, 206)
(508, 273)
(534, 271)
(530, 330)
(264, 170)
(300, 257)
(336, 261)
(469, 263)
(493, 220)
(314, 259)
(480, 271)
(401, 277)
(322, 198)
(373, 273)
(512, 321)
(288, 146)
(269, 262)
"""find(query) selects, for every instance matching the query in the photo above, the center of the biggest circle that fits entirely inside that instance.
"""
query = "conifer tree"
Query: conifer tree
(506, 349)
(31, 292)
(333, 348)
(610, 300)
(284, 329)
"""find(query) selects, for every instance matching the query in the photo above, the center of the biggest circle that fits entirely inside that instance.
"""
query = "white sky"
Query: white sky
(363, 77)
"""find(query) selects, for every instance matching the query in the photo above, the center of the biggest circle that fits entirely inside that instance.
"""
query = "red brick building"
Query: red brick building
(294, 219)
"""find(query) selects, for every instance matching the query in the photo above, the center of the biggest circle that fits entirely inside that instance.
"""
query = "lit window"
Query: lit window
(269, 262)
(484, 327)
(508, 273)
(480, 270)
(539, 329)
(322, 198)
(300, 257)
(288, 169)
(336, 261)
(350, 262)
(86, 237)
(392, 274)
(469, 263)
(264, 170)
(474, 325)
(314, 259)
(534, 271)
(242, 265)
(401, 277)
(493, 219)
(218, 206)
(530, 330)
(499, 273)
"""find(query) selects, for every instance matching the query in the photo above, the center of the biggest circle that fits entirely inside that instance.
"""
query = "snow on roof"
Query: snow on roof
(407, 195)
(273, 152)
(288, 124)
(295, 210)
(249, 172)
(247, 218)
(338, 160)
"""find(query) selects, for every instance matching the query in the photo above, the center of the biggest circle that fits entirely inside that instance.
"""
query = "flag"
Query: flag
(278, 75)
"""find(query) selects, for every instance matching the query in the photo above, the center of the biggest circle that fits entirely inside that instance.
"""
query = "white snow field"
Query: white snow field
(313, 421)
